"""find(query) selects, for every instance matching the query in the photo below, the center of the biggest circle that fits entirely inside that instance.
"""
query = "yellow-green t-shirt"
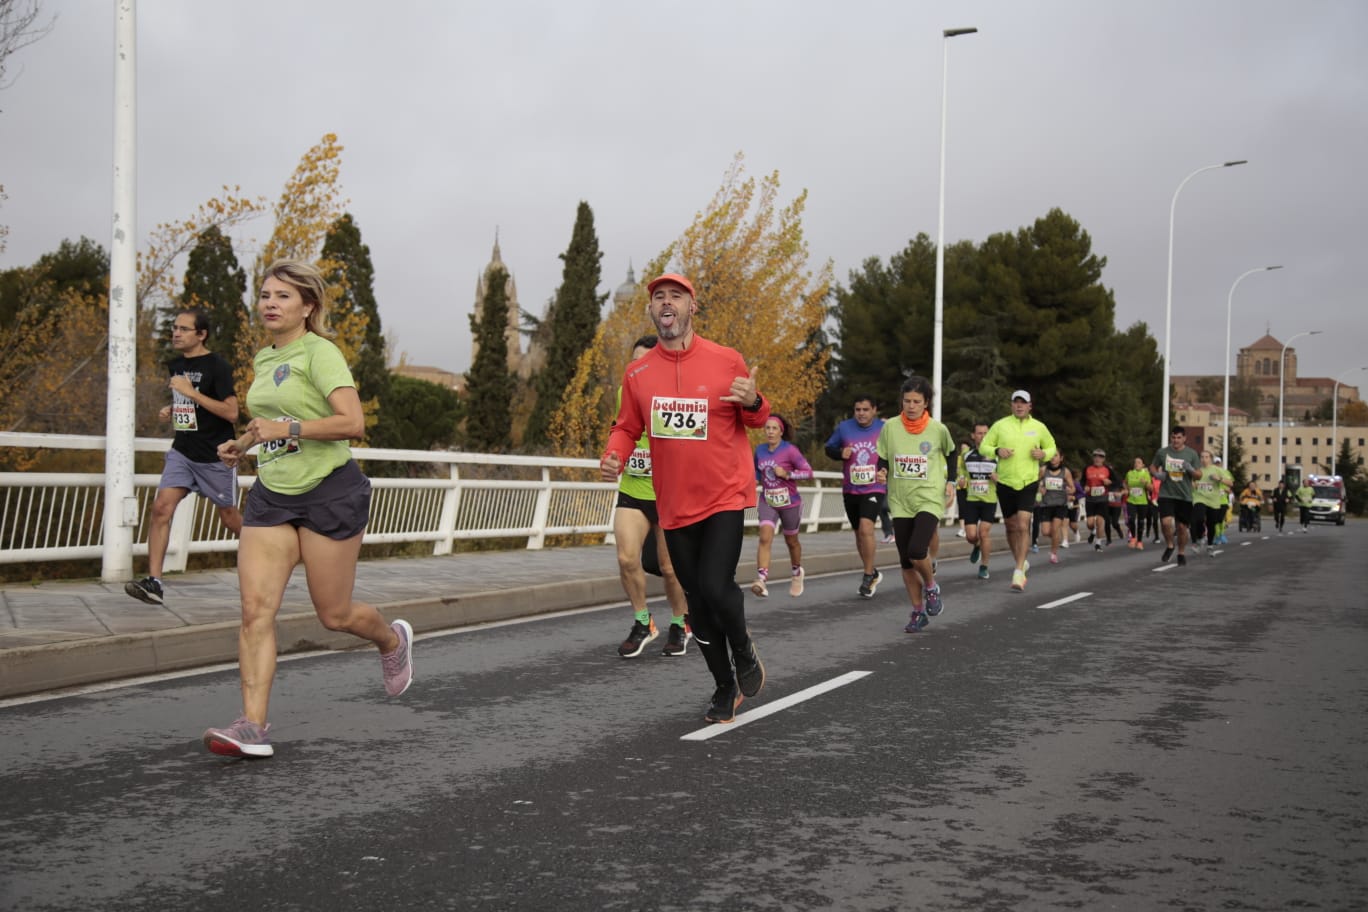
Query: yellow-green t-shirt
(636, 475)
(293, 384)
(916, 467)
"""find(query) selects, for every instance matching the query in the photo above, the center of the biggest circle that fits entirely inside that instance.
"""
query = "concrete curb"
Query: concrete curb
(34, 669)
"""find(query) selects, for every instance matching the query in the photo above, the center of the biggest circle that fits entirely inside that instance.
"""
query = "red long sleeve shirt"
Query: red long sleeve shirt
(701, 460)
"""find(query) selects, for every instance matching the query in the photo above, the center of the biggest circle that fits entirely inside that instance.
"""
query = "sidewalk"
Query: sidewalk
(68, 633)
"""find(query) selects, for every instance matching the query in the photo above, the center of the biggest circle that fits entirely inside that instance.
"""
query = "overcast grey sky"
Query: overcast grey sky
(459, 117)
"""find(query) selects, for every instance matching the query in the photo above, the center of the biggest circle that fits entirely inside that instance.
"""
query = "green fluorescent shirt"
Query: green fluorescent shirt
(1020, 435)
(1171, 463)
(1137, 486)
(636, 475)
(1209, 490)
(916, 467)
(1306, 494)
(293, 384)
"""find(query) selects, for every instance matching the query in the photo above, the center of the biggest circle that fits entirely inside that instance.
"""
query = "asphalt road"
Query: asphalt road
(1186, 739)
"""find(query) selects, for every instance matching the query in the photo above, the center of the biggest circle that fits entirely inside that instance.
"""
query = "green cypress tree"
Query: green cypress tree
(489, 386)
(216, 283)
(350, 269)
(570, 323)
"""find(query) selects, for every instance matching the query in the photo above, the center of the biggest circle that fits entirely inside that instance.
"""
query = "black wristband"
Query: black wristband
(755, 406)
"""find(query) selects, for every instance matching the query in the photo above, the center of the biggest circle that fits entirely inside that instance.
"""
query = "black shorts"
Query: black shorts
(338, 507)
(979, 511)
(1013, 501)
(962, 500)
(627, 501)
(1180, 510)
(863, 506)
(1050, 512)
(913, 535)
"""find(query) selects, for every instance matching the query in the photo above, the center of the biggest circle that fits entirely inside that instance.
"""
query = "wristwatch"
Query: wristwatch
(295, 431)
(755, 406)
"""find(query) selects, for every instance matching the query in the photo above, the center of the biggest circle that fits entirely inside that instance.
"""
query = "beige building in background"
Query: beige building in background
(1257, 365)
(1306, 445)
(437, 375)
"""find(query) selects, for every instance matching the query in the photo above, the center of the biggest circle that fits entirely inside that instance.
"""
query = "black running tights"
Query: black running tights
(705, 555)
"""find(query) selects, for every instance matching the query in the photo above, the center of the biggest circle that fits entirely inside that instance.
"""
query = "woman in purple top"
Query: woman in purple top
(779, 465)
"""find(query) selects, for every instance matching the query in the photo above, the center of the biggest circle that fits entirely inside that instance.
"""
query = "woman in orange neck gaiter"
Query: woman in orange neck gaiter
(917, 461)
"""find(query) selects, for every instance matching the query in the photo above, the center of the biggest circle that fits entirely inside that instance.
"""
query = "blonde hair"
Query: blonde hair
(307, 279)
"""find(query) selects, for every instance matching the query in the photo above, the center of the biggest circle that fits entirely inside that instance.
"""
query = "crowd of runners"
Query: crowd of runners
(686, 470)
(680, 434)
(680, 452)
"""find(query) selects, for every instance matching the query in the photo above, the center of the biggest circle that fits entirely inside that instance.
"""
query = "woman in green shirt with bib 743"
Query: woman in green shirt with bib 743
(917, 460)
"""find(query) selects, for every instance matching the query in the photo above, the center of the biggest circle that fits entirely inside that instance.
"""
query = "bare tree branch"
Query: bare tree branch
(19, 27)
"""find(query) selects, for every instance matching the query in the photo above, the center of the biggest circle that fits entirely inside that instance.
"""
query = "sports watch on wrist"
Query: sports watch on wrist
(295, 431)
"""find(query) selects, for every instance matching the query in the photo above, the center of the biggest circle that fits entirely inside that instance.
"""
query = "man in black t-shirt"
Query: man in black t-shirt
(202, 411)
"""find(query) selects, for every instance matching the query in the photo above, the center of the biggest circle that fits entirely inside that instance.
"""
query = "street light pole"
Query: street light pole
(938, 326)
(1225, 428)
(1282, 384)
(1334, 417)
(1168, 300)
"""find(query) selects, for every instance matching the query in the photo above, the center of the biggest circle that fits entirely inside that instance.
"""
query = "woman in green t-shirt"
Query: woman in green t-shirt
(1209, 492)
(310, 503)
(917, 461)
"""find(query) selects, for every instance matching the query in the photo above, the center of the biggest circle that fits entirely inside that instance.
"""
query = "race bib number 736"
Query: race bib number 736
(679, 419)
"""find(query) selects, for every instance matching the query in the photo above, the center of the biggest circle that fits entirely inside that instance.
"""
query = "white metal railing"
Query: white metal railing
(52, 516)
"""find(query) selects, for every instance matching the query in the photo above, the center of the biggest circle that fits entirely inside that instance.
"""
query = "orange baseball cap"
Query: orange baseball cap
(671, 277)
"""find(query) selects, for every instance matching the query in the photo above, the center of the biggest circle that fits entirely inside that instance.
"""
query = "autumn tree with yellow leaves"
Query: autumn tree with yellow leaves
(53, 345)
(309, 206)
(748, 261)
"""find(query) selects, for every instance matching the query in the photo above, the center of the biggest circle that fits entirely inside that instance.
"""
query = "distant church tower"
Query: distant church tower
(628, 289)
(519, 364)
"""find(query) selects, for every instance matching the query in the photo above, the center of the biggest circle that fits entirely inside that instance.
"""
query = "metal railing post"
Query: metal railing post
(451, 504)
(537, 539)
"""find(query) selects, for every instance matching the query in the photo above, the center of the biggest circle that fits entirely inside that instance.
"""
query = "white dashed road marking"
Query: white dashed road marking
(1064, 601)
(712, 731)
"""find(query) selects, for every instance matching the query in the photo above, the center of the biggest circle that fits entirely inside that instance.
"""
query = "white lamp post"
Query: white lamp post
(1334, 417)
(1168, 302)
(1282, 384)
(1230, 298)
(937, 356)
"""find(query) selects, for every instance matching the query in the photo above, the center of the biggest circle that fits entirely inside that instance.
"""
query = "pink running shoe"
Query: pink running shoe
(243, 738)
(398, 665)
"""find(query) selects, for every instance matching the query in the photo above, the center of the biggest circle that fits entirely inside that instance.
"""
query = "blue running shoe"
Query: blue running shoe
(916, 622)
(975, 554)
(934, 606)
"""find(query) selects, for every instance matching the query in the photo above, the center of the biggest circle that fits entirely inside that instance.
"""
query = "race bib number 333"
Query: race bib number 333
(679, 419)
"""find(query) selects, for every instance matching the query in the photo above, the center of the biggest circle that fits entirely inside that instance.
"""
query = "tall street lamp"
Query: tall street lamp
(1225, 428)
(1282, 384)
(1334, 417)
(937, 356)
(1168, 302)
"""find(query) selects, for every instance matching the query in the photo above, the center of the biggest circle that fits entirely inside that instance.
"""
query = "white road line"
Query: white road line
(1064, 601)
(1264, 538)
(712, 731)
(1162, 567)
(1247, 544)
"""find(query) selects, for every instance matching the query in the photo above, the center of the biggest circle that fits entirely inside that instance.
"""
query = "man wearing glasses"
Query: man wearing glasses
(202, 411)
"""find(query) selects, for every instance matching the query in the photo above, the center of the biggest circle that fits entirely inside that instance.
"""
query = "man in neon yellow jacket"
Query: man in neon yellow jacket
(1020, 444)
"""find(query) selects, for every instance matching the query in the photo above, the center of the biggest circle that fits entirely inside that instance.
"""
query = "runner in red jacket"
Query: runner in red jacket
(696, 398)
